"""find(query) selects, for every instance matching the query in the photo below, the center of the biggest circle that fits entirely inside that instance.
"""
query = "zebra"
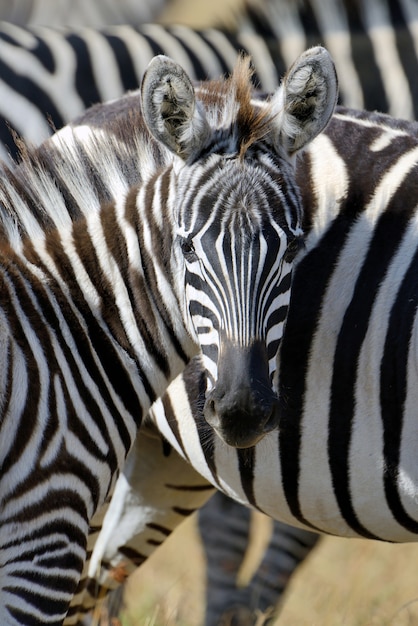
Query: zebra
(374, 44)
(342, 459)
(35, 53)
(225, 527)
(96, 323)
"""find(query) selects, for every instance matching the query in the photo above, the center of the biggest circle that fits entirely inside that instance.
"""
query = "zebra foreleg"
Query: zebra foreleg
(155, 493)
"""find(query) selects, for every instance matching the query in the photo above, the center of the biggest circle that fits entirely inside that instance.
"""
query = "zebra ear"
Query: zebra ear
(170, 109)
(306, 99)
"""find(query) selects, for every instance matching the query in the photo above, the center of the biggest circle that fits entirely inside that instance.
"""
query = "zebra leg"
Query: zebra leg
(224, 526)
(155, 493)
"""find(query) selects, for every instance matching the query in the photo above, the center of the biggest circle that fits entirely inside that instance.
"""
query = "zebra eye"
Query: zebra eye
(292, 249)
(188, 250)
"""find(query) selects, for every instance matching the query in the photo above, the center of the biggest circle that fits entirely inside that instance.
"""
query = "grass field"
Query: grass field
(344, 582)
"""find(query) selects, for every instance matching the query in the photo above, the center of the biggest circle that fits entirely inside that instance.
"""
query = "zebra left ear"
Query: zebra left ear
(170, 109)
(306, 99)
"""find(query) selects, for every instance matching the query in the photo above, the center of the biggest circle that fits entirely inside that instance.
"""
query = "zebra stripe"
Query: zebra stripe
(374, 44)
(349, 30)
(225, 527)
(342, 461)
(96, 324)
(48, 73)
(50, 76)
(333, 470)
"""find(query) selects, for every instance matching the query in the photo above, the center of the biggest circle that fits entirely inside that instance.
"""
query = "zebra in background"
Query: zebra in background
(50, 76)
(374, 44)
(343, 459)
(225, 526)
(95, 323)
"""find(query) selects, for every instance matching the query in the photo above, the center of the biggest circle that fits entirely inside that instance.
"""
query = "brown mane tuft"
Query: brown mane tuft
(250, 123)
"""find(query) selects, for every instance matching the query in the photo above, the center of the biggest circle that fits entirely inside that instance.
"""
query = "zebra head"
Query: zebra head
(237, 216)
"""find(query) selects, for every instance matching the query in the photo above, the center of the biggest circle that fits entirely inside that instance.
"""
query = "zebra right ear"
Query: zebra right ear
(306, 99)
(170, 109)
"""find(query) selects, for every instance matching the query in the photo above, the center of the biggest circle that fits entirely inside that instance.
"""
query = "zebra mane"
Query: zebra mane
(88, 163)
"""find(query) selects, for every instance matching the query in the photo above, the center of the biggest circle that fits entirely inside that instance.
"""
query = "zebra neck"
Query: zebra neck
(112, 269)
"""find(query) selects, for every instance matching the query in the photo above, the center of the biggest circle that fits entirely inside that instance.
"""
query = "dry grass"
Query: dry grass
(344, 583)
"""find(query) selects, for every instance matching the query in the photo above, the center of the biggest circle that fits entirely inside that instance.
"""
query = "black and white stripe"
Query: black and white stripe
(50, 73)
(102, 236)
(374, 44)
(343, 459)
(50, 76)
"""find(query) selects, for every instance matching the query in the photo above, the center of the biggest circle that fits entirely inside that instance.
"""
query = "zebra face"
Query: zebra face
(236, 231)
(236, 212)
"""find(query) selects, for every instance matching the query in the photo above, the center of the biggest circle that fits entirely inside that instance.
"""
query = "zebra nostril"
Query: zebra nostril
(210, 412)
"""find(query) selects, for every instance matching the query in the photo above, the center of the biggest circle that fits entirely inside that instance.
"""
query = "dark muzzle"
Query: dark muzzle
(242, 407)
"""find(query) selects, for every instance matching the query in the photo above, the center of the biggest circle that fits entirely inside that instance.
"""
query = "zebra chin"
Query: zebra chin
(237, 431)
(242, 407)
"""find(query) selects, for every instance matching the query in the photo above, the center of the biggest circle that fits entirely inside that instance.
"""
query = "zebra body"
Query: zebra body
(374, 44)
(94, 325)
(356, 199)
(327, 469)
(342, 461)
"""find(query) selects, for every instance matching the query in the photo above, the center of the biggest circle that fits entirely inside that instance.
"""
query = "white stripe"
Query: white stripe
(106, 71)
(262, 60)
(368, 497)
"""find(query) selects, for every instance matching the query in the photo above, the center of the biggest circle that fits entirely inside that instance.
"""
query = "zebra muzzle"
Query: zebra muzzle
(242, 406)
